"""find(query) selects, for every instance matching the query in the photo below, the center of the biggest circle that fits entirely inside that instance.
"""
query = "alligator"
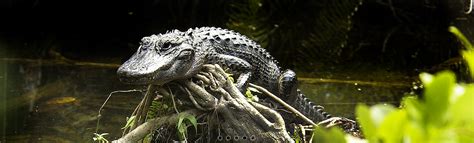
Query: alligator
(178, 55)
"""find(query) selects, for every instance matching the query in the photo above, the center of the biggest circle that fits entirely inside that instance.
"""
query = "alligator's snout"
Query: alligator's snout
(129, 77)
(134, 72)
(148, 67)
(141, 68)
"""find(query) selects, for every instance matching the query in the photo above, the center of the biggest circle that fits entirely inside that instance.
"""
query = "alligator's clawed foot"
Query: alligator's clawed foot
(348, 125)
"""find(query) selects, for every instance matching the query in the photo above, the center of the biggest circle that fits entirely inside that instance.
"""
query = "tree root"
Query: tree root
(230, 115)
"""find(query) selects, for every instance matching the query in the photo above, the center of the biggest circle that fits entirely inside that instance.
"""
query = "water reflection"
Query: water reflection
(60, 103)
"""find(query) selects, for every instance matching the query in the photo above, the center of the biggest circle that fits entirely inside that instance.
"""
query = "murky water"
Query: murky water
(61, 103)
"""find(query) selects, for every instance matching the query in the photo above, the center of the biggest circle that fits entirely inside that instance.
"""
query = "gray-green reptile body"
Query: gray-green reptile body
(179, 55)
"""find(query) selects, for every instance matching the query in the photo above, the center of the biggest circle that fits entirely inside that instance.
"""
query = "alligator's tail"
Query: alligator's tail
(288, 88)
(308, 108)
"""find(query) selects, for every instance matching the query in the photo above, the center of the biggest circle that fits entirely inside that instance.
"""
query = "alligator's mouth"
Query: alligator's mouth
(144, 68)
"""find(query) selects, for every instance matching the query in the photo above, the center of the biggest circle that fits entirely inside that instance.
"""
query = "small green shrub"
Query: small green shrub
(445, 112)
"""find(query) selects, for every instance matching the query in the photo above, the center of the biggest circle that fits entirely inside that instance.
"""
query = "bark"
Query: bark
(231, 115)
(237, 117)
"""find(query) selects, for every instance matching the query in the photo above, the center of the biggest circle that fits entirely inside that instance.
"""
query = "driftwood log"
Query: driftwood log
(231, 116)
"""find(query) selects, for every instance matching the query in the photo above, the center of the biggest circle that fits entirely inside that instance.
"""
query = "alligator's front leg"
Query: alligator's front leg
(236, 65)
(288, 84)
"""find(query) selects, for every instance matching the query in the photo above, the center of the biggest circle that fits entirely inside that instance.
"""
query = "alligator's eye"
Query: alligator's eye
(167, 45)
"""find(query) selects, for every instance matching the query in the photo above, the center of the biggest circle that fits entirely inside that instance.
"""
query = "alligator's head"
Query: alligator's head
(161, 59)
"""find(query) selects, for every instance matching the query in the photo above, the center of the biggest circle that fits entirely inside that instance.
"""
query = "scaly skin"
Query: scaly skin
(179, 55)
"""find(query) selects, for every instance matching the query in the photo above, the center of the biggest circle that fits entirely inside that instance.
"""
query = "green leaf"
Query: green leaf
(437, 95)
(372, 118)
(248, 93)
(193, 121)
(379, 112)
(414, 132)
(462, 108)
(366, 123)
(333, 135)
(445, 114)
(413, 108)
(229, 76)
(391, 130)
(100, 137)
(130, 122)
(180, 124)
(461, 37)
(182, 128)
(467, 54)
(426, 78)
(469, 57)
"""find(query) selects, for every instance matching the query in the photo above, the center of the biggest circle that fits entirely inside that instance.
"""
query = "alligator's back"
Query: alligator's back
(265, 70)
(179, 55)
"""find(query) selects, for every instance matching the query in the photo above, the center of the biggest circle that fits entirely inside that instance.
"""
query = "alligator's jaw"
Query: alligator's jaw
(143, 67)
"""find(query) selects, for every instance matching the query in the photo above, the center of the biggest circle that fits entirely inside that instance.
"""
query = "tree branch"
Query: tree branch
(146, 128)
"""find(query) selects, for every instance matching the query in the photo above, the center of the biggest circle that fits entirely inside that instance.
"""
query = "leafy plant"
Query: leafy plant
(443, 114)
(100, 137)
(158, 108)
(332, 135)
(469, 52)
(184, 120)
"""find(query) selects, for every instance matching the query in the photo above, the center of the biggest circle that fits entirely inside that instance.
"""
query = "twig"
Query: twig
(143, 107)
(306, 119)
(303, 132)
(134, 113)
(387, 38)
(107, 100)
(392, 8)
(174, 102)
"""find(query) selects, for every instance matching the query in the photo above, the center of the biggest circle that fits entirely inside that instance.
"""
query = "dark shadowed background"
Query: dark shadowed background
(58, 58)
